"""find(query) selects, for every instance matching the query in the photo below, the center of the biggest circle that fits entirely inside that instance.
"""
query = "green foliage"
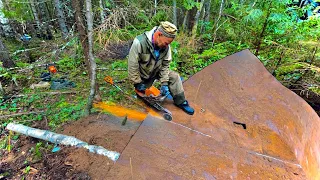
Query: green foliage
(5, 174)
(209, 56)
(253, 16)
(22, 104)
(3, 142)
(19, 11)
(189, 4)
(160, 16)
(285, 69)
(67, 63)
(37, 151)
(119, 64)
(27, 170)
(174, 48)
(207, 27)
(22, 64)
(107, 3)
(308, 30)
(56, 112)
(142, 17)
(315, 89)
(6, 75)
(63, 111)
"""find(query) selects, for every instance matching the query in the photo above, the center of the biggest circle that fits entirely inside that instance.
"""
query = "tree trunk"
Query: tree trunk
(91, 60)
(101, 11)
(2, 92)
(265, 24)
(61, 18)
(5, 58)
(203, 12)
(155, 7)
(185, 21)
(207, 11)
(5, 28)
(50, 14)
(45, 20)
(196, 21)
(82, 31)
(175, 20)
(87, 44)
(216, 23)
(2, 34)
(2, 21)
(35, 15)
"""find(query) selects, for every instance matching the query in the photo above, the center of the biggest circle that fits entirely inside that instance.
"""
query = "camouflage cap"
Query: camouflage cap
(168, 29)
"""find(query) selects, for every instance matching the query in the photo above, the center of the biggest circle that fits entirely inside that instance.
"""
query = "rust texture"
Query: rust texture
(164, 150)
(246, 125)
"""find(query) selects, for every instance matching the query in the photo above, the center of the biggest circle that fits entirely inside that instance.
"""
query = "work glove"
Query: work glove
(140, 87)
(164, 90)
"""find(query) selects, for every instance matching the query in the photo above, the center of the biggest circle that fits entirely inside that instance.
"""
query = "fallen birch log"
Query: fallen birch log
(61, 139)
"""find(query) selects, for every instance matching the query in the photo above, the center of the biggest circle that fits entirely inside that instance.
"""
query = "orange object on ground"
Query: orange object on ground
(52, 69)
(152, 91)
(108, 79)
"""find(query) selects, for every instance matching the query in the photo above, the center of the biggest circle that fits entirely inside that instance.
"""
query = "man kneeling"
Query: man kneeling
(149, 59)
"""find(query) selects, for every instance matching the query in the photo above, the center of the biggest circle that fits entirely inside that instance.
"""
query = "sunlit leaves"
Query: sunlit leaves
(19, 10)
(189, 4)
(254, 14)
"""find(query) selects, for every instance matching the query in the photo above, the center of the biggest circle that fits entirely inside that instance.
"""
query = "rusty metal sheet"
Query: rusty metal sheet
(167, 150)
(246, 126)
(238, 89)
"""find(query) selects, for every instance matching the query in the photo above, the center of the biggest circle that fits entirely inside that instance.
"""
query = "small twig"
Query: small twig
(45, 118)
(229, 16)
(118, 69)
(49, 93)
(103, 68)
(195, 98)
(131, 169)
(25, 50)
(220, 25)
(9, 141)
(197, 91)
(20, 114)
(99, 115)
(1, 89)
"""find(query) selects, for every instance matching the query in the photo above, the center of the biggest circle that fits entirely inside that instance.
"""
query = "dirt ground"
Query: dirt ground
(70, 163)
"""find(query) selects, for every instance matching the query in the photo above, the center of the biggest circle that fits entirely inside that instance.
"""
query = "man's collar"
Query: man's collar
(149, 34)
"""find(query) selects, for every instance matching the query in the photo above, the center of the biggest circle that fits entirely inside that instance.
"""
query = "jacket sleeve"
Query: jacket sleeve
(133, 62)
(164, 71)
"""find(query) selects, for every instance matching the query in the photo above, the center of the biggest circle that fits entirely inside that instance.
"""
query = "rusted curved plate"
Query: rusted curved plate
(278, 122)
(246, 125)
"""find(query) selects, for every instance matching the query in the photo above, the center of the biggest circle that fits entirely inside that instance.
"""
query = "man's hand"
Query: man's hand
(140, 87)
(164, 90)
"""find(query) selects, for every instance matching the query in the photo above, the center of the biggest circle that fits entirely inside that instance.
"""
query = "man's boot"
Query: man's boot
(186, 108)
